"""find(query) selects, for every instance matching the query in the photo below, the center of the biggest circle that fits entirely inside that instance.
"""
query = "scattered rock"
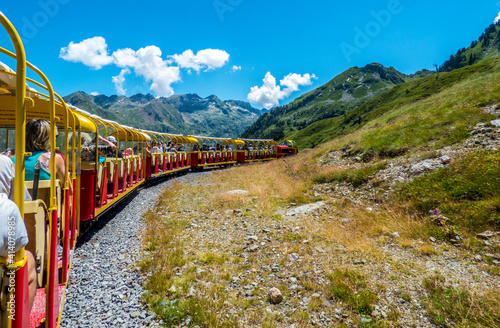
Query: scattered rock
(445, 159)
(192, 292)
(275, 295)
(253, 248)
(496, 123)
(439, 220)
(237, 192)
(488, 234)
(305, 209)
(293, 257)
(252, 239)
(492, 256)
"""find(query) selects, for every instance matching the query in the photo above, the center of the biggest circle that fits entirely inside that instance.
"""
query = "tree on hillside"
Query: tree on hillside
(465, 57)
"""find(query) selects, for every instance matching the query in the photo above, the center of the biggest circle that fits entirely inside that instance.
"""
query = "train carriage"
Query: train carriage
(287, 148)
(258, 150)
(209, 151)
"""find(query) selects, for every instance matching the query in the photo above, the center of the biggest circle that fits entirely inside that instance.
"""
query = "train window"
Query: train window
(4, 139)
(121, 146)
(88, 146)
(60, 141)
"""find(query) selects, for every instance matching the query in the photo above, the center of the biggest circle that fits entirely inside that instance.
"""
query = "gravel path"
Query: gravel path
(105, 286)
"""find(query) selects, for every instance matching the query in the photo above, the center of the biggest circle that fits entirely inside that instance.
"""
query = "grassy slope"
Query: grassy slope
(427, 109)
(344, 92)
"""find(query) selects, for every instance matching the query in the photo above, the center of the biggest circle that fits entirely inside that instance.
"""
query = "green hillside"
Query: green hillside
(486, 47)
(426, 111)
(346, 91)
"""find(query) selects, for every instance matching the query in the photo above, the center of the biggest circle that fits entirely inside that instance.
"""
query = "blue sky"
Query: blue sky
(228, 47)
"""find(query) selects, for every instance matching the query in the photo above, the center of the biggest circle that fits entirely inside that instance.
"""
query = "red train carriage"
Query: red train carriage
(287, 148)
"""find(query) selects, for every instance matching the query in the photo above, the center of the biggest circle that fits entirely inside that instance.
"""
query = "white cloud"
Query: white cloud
(292, 81)
(119, 80)
(125, 57)
(236, 68)
(207, 59)
(146, 62)
(95, 93)
(90, 52)
(269, 94)
(497, 19)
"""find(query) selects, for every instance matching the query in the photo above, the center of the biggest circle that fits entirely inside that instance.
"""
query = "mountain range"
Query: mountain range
(344, 92)
(187, 114)
(349, 99)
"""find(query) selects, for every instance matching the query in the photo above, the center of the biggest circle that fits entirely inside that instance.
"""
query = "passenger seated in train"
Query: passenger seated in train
(156, 148)
(11, 217)
(111, 149)
(88, 147)
(9, 153)
(38, 143)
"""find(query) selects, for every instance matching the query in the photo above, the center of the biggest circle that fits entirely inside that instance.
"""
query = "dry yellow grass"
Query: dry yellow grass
(276, 184)
(185, 236)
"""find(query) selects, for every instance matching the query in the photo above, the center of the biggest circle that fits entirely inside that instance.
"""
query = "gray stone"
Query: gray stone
(445, 159)
(492, 256)
(253, 248)
(305, 209)
(237, 192)
(488, 234)
(496, 123)
(275, 295)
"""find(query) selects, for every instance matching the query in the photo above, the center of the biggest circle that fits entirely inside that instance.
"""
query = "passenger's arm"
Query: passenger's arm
(61, 172)
(107, 143)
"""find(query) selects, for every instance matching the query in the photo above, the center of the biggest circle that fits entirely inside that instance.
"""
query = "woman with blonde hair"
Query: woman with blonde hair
(38, 143)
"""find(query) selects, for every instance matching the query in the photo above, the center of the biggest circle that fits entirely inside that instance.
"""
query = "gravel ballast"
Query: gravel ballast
(105, 285)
